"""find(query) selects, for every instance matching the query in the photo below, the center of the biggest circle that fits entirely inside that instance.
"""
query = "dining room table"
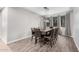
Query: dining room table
(46, 32)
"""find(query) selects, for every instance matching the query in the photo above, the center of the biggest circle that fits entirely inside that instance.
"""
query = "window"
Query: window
(47, 22)
(62, 21)
(55, 21)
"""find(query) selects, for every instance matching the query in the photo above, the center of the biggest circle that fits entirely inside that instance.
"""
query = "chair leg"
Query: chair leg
(51, 44)
(41, 44)
(31, 38)
(40, 41)
(54, 42)
(35, 40)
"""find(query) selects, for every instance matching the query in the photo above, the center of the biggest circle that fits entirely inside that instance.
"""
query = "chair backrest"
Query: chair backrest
(33, 31)
(56, 30)
(48, 33)
(37, 33)
(52, 33)
(51, 27)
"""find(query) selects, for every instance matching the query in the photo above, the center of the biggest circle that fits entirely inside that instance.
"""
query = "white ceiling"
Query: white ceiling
(52, 10)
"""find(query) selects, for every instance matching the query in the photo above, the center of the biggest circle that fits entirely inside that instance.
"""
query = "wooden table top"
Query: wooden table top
(46, 30)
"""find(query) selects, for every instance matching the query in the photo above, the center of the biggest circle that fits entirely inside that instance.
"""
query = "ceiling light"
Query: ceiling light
(46, 8)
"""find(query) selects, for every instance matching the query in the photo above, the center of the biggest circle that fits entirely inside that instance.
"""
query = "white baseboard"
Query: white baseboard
(18, 39)
(4, 40)
(75, 43)
(66, 35)
(73, 40)
(77, 47)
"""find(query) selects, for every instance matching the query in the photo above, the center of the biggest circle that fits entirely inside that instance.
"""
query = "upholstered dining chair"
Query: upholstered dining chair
(55, 35)
(50, 38)
(37, 35)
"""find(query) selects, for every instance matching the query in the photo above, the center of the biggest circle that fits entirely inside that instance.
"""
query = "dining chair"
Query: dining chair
(33, 33)
(50, 38)
(37, 35)
(55, 35)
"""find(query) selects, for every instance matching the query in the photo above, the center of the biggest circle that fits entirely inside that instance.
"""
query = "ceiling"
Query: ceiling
(52, 10)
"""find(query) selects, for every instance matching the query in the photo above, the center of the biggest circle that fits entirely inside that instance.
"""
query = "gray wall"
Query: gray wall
(20, 22)
(76, 25)
(0, 24)
(4, 24)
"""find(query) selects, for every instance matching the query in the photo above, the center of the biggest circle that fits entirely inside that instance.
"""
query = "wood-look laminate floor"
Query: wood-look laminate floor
(63, 44)
(4, 47)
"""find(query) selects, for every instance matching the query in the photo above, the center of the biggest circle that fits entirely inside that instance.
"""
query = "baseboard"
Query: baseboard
(77, 47)
(78, 50)
(75, 43)
(73, 40)
(4, 40)
(66, 35)
(18, 39)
